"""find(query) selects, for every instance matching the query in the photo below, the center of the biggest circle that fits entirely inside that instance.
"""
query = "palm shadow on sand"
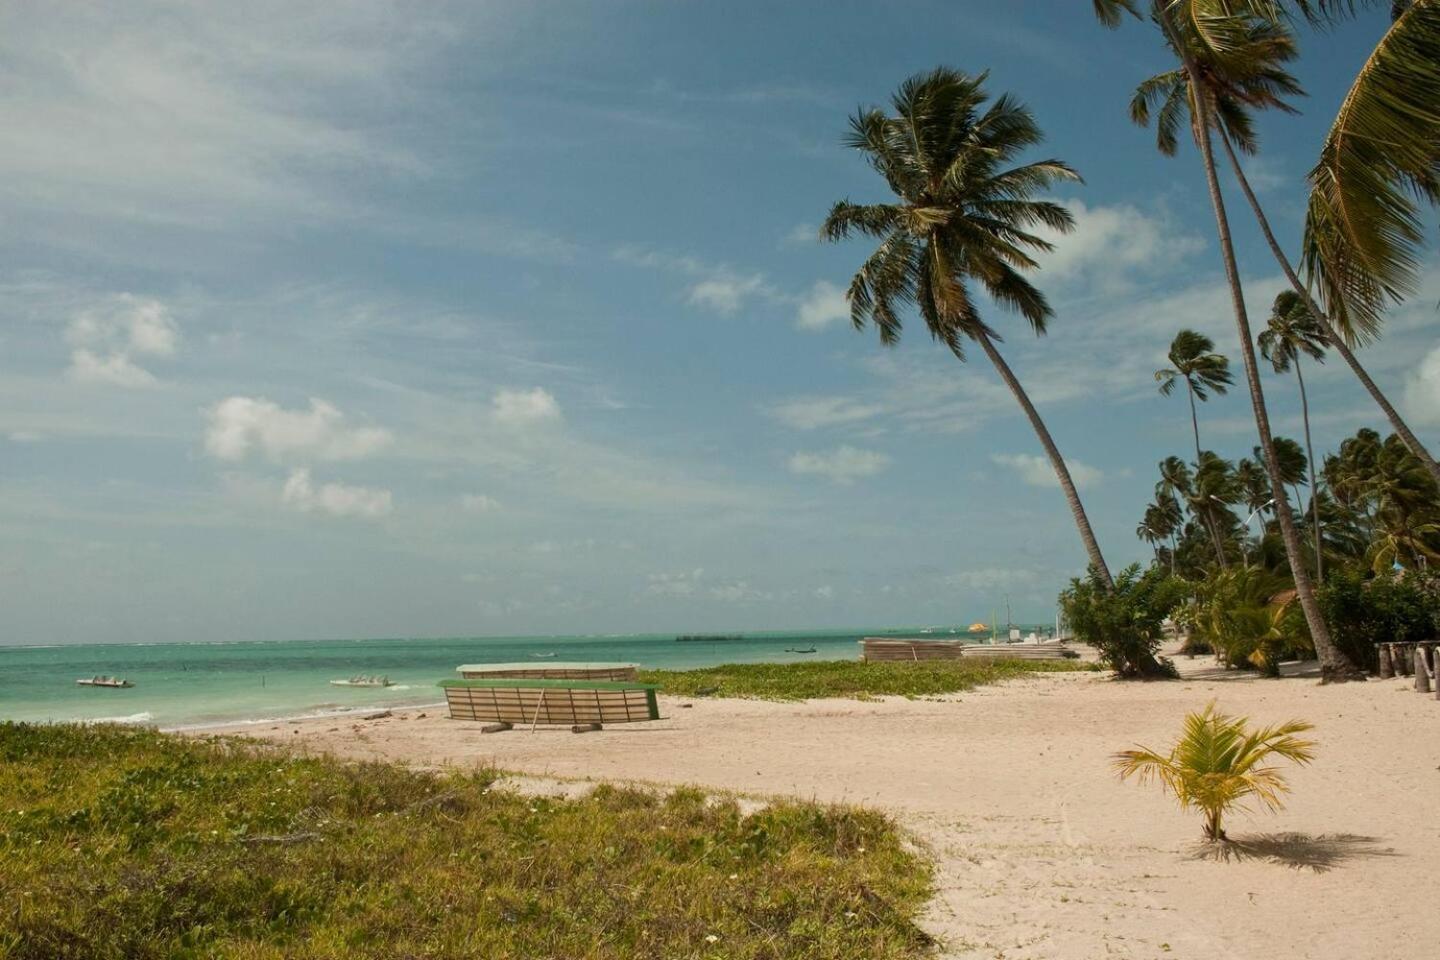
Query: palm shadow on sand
(1299, 851)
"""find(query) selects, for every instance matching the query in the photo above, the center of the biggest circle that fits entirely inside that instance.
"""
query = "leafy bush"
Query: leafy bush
(1124, 623)
(1249, 615)
(1365, 611)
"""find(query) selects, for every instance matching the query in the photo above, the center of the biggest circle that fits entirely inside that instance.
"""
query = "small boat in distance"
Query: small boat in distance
(798, 650)
(542, 656)
(112, 682)
(364, 681)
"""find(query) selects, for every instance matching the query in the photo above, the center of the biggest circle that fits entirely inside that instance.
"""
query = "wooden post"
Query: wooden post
(538, 707)
(1422, 671)
(585, 727)
(1404, 663)
(496, 727)
(1387, 669)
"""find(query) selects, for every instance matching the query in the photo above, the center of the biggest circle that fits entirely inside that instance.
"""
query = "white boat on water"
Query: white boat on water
(112, 682)
(364, 681)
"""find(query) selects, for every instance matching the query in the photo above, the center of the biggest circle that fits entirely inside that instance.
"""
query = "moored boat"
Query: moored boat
(115, 683)
(364, 681)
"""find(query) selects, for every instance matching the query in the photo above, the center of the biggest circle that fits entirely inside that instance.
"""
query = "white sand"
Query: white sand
(1042, 852)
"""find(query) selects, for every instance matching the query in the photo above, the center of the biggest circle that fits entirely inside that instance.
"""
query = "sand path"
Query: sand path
(1042, 853)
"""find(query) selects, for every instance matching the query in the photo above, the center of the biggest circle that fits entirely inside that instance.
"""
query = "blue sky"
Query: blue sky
(379, 319)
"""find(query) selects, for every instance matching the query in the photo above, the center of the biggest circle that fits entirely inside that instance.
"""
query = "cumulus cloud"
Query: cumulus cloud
(843, 465)
(802, 234)
(521, 408)
(106, 340)
(824, 306)
(479, 503)
(240, 426)
(1422, 391)
(1111, 242)
(1037, 471)
(726, 293)
(810, 413)
(737, 591)
(336, 499)
(682, 583)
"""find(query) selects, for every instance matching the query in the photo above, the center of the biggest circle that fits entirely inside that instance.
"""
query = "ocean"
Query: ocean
(193, 684)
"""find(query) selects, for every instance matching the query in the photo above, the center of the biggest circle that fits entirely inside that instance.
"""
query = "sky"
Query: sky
(380, 319)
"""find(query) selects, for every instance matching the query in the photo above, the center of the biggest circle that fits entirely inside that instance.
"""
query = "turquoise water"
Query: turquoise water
(198, 683)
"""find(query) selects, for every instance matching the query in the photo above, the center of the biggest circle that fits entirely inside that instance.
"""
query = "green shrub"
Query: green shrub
(1365, 611)
(1124, 623)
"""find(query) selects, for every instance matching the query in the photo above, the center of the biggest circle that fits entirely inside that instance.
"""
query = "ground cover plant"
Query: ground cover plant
(851, 679)
(132, 844)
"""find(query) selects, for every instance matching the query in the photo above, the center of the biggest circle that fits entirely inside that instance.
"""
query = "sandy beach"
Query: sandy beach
(1042, 852)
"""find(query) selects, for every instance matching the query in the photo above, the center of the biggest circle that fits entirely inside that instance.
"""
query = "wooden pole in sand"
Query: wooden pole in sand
(1387, 668)
(1422, 671)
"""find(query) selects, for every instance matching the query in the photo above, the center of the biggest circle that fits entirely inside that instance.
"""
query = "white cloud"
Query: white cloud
(824, 306)
(725, 294)
(26, 436)
(738, 591)
(1109, 243)
(717, 287)
(520, 408)
(810, 413)
(479, 503)
(106, 340)
(682, 583)
(336, 499)
(991, 579)
(802, 234)
(1422, 391)
(116, 370)
(1037, 471)
(842, 465)
(826, 592)
(240, 426)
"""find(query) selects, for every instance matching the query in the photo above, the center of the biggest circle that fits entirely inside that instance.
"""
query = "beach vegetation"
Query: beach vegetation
(125, 844)
(1124, 621)
(1398, 607)
(962, 217)
(1220, 764)
(1247, 615)
(849, 679)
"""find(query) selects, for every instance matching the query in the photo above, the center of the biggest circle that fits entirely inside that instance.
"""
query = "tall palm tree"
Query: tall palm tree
(1293, 330)
(962, 214)
(1362, 229)
(1194, 361)
(1212, 44)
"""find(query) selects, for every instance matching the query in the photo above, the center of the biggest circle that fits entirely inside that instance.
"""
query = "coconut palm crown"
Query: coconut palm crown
(964, 214)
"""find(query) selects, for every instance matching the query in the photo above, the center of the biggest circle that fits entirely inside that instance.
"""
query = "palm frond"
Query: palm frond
(1381, 158)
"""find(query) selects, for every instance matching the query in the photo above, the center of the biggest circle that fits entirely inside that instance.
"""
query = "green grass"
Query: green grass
(119, 843)
(853, 679)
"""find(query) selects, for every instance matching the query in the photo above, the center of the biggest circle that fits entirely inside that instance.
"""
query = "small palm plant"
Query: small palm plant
(1219, 764)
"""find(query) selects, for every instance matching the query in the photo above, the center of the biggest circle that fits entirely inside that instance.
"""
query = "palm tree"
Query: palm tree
(1193, 360)
(1292, 331)
(962, 215)
(1160, 523)
(1215, 46)
(1362, 230)
(1218, 763)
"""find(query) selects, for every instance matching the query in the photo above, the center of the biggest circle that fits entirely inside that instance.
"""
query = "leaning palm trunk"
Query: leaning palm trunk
(1314, 472)
(1334, 665)
(1062, 472)
(1402, 429)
